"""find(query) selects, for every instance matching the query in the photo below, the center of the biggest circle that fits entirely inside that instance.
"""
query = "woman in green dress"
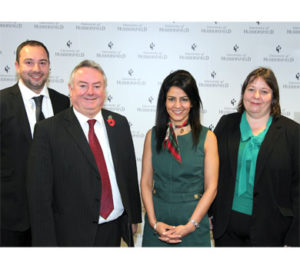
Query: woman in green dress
(179, 169)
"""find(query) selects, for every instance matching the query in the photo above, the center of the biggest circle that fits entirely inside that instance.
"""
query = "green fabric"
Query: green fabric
(247, 156)
(177, 190)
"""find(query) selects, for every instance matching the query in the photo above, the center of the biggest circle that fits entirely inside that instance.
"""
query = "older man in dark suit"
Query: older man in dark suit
(21, 106)
(83, 184)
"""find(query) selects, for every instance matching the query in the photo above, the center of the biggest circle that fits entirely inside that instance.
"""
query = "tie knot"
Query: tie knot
(91, 123)
(38, 100)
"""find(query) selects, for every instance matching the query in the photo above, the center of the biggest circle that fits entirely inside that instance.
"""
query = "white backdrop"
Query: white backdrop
(138, 56)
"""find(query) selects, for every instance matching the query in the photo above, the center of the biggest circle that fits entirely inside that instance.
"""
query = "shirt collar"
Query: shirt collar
(83, 119)
(29, 94)
(246, 132)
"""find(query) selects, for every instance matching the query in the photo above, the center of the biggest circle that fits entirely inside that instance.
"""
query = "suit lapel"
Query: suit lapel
(233, 145)
(53, 102)
(273, 134)
(56, 104)
(112, 136)
(21, 112)
(73, 127)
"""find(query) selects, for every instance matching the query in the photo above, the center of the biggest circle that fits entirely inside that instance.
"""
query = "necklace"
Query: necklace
(181, 127)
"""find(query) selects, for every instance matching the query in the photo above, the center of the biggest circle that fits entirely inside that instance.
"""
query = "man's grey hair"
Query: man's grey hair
(87, 63)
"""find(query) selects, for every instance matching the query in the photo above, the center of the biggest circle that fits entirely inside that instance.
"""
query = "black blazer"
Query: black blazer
(65, 185)
(275, 218)
(15, 139)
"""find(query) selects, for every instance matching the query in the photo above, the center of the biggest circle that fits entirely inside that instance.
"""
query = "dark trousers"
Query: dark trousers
(237, 233)
(15, 238)
(109, 234)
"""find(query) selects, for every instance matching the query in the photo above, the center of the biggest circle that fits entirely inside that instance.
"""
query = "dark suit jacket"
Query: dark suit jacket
(15, 139)
(275, 218)
(65, 185)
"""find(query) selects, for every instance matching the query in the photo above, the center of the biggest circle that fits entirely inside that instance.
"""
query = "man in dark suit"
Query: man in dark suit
(18, 115)
(82, 174)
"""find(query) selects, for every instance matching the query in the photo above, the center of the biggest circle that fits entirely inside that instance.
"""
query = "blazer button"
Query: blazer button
(196, 196)
(154, 191)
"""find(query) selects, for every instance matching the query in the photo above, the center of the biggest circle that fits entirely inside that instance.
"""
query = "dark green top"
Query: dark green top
(177, 190)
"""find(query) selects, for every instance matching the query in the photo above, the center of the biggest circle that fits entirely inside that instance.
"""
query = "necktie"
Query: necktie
(38, 108)
(106, 205)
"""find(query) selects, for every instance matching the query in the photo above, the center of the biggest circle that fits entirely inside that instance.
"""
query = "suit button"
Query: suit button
(196, 196)
(154, 191)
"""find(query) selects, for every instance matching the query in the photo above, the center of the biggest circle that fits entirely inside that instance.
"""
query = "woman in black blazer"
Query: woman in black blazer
(257, 203)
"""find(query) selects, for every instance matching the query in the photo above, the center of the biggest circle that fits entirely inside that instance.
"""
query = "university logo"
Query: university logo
(131, 78)
(259, 28)
(152, 54)
(69, 43)
(174, 28)
(132, 27)
(293, 84)
(278, 48)
(109, 98)
(69, 52)
(194, 46)
(110, 53)
(236, 47)
(150, 99)
(110, 45)
(213, 81)
(216, 28)
(84, 26)
(152, 45)
(130, 72)
(6, 68)
(213, 74)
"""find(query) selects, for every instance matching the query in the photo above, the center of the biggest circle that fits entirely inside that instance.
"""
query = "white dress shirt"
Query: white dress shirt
(100, 131)
(30, 106)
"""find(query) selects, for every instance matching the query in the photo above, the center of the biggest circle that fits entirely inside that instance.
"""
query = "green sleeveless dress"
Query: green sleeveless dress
(177, 190)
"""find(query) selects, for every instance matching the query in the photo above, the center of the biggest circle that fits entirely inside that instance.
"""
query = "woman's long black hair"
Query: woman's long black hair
(185, 81)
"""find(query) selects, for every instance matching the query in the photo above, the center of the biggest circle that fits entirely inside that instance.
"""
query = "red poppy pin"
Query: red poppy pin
(111, 121)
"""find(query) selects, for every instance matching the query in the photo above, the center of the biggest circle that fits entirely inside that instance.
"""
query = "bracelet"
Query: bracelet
(155, 225)
(195, 223)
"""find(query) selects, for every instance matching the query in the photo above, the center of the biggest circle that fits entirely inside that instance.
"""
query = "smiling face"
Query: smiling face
(33, 67)
(87, 91)
(257, 98)
(178, 105)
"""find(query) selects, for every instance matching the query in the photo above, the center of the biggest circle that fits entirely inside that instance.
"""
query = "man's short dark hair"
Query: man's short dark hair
(32, 43)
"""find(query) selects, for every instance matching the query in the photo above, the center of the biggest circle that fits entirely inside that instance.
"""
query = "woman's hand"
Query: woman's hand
(165, 233)
(174, 234)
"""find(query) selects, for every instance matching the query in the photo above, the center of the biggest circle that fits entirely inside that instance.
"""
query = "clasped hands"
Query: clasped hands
(173, 234)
